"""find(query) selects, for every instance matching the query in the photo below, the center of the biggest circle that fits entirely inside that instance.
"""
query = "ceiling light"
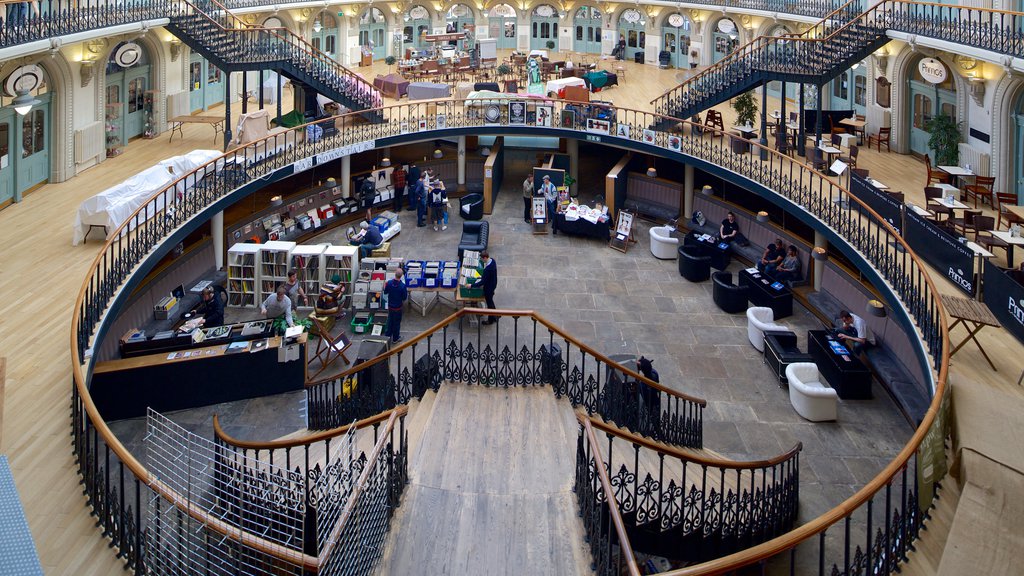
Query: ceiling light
(652, 173)
(385, 162)
(438, 153)
(762, 216)
(317, 26)
(24, 102)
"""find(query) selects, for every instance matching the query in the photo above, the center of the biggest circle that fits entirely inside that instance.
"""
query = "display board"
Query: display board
(539, 215)
(1004, 296)
(623, 231)
(944, 252)
(880, 201)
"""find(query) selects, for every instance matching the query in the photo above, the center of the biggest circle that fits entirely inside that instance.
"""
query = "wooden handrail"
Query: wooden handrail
(613, 504)
(360, 486)
(684, 454)
(305, 440)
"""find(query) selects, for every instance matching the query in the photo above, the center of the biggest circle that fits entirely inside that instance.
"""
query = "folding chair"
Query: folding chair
(328, 348)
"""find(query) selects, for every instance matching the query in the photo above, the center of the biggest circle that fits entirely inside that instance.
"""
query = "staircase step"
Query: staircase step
(927, 554)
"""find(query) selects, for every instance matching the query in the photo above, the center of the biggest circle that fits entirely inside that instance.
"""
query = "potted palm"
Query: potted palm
(944, 139)
(745, 106)
(550, 44)
(390, 61)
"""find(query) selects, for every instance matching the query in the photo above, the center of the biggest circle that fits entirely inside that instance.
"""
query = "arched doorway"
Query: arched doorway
(501, 24)
(775, 87)
(850, 89)
(128, 81)
(675, 35)
(928, 99)
(325, 34)
(544, 28)
(24, 132)
(458, 17)
(632, 26)
(587, 30)
(206, 84)
(1018, 155)
(373, 31)
(416, 25)
(725, 39)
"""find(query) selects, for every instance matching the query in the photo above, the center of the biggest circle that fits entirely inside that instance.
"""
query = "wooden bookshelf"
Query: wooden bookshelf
(242, 275)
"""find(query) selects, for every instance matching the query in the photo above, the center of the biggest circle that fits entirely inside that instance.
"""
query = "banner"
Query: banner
(944, 252)
(880, 201)
(1004, 296)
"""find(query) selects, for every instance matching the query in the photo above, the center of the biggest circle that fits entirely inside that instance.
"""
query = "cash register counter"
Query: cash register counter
(124, 388)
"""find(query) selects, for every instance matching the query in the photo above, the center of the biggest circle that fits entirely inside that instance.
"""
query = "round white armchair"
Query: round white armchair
(663, 245)
(759, 320)
(810, 397)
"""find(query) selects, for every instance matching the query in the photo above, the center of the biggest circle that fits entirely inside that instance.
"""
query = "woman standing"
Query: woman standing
(438, 200)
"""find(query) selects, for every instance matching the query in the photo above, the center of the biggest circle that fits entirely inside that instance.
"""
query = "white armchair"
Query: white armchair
(759, 320)
(811, 398)
(663, 245)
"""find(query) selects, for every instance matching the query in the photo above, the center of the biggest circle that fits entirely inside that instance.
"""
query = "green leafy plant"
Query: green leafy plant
(390, 61)
(550, 44)
(944, 139)
(568, 182)
(504, 70)
(745, 106)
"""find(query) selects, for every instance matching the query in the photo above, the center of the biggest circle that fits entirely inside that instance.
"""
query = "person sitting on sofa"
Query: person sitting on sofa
(730, 231)
(772, 257)
(854, 332)
(789, 269)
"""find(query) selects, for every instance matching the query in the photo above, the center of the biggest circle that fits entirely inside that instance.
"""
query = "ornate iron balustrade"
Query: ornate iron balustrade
(690, 507)
(602, 521)
(114, 481)
(525, 350)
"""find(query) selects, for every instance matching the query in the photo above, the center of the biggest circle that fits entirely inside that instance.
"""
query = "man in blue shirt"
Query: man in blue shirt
(397, 293)
(419, 197)
(370, 241)
(489, 281)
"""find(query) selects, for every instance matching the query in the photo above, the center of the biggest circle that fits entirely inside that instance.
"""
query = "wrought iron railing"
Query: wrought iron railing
(115, 482)
(833, 43)
(606, 533)
(525, 350)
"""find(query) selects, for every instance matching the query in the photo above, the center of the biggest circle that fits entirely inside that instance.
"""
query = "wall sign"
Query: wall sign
(1004, 296)
(128, 55)
(952, 259)
(932, 70)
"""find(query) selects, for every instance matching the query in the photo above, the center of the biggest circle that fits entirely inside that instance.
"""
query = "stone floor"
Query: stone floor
(634, 304)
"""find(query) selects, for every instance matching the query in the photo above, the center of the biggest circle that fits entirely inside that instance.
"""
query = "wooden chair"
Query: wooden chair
(833, 129)
(981, 189)
(932, 196)
(817, 160)
(983, 235)
(966, 224)
(851, 160)
(884, 136)
(328, 348)
(934, 176)
(1006, 199)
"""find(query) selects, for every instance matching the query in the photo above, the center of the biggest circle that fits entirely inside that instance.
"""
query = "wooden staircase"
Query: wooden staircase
(926, 557)
(490, 486)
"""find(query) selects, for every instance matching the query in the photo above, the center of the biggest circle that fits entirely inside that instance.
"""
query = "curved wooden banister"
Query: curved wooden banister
(305, 440)
(687, 455)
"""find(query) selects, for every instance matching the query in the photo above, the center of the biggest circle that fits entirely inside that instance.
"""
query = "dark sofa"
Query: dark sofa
(474, 236)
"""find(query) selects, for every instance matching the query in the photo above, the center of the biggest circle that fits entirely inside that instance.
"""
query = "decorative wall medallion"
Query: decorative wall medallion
(128, 55)
(23, 79)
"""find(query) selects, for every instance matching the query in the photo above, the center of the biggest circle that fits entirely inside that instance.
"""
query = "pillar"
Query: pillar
(245, 91)
(572, 148)
(802, 138)
(817, 122)
(461, 161)
(217, 231)
(687, 191)
(346, 176)
(764, 121)
(819, 265)
(782, 112)
(227, 110)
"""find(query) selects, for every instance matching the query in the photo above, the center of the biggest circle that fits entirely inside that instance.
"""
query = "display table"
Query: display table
(850, 378)
(600, 79)
(763, 291)
(428, 90)
(556, 85)
(392, 85)
(581, 227)
(709, 246)
(429, 297)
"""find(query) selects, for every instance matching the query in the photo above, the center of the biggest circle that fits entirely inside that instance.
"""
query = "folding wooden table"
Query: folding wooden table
(974, 316)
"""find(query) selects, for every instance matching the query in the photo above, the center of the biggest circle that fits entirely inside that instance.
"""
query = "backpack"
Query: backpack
(698, 218)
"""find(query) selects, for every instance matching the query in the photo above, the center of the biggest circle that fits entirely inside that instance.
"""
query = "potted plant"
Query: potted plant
(944, 140)
(550, 44)
(745, 106)
(390, 61)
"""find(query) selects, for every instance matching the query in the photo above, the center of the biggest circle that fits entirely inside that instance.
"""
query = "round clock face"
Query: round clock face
(966, 62)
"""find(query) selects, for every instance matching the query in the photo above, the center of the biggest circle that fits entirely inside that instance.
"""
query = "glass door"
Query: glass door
(1018, 157)
(544, 28)
(213, 90)
(587, 30)
(675, 37)
(501, 24)
(6, 166)
(33, 164)
(926, 100)
(632, 27)
(135, 102)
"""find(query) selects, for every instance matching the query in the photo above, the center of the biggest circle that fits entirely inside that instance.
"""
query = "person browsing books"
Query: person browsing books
(489, 281)
(397, 293)
(278, 305)
(438, 203)
(293, 288)
(210, 307)
(550, 193)
(368, 239)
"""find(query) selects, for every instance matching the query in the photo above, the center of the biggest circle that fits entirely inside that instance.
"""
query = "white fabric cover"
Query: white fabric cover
(116, 204)
(252, 126)
(811, 398)
(760, 319)
(556, 85)
(663, 245)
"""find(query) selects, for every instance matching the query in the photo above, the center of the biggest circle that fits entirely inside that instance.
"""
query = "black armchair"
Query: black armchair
(471, 206)
(780, 350)
(728, 296)
(692, 265)
(474, 236)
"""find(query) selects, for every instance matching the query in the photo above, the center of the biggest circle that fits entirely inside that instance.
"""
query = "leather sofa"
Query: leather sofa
(780, 350)
(471, 206)
(694, 266)
(663, 245)
(759, 320)
(811, 398)
(474, 236)
(728, 296)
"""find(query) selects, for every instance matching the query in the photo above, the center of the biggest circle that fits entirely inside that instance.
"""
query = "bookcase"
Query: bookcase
(274, 261)
(307, 261)
(342, 261)
(242, 275)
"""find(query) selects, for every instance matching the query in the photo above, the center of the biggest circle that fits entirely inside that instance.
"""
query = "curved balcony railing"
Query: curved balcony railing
(873, 528)
(525, 350)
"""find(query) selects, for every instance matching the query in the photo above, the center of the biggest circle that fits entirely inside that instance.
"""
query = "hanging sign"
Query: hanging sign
(932, 70)
(726, 26)
(128, 55)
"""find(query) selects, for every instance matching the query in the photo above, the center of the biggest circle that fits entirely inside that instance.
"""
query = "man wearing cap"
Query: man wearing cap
(547, 189)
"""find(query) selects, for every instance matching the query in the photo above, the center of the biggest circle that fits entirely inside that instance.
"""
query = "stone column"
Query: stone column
(217, 231)
(687, 192)
(819, 265)
(346, 176)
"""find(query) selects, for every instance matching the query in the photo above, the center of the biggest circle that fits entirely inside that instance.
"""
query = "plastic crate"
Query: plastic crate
(361, 323)
(470, 292)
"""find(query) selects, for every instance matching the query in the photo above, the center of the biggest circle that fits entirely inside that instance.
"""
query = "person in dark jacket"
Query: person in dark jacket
(369, 240)
(397, 293)
(210, 307)
(398, 180)
(367, 192)
(489, 281)
(412, 178)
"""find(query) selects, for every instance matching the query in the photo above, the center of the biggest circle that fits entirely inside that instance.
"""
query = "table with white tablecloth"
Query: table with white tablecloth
(556, 85)
(428, 90)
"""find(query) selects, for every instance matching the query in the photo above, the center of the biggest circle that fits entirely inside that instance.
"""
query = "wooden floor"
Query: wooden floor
(490, 488)
(41, 273)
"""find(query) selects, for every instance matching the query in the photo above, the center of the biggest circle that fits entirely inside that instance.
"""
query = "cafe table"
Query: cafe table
(975, 316)
(1011, 241)
(957, 172)
(857, 125)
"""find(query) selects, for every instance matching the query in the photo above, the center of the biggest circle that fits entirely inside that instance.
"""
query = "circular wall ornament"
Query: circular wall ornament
(128, 55)
(676, 20)
(966, 62)
(544, 11)
(726, 26)
(932, 70)
(273, 22)
(492, 113)
(632, 16)
(23, 79)
(419, 13)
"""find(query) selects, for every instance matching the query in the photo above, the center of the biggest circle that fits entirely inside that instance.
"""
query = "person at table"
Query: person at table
(527, 197)
(418, 195)
(412, 177)
(729, 231)
(789, 269)
(489, 281)
(398, 180)
(853, 332)
(397, 293)
(293, 288)
(368, 239)
(550, 193)
(772, 257)
(278, 305)
(210, 307)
